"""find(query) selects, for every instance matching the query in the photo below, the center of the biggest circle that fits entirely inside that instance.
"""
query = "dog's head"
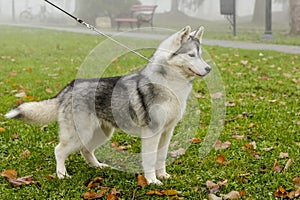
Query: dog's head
(183, 51)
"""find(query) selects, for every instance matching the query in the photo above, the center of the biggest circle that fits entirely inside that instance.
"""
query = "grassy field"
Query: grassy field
(262, 122)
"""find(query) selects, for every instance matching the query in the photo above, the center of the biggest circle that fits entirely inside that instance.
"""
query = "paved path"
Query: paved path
(224, 43)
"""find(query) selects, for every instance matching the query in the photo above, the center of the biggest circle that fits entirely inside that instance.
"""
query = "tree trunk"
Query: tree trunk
(174, 6)
(295, 17)
(259, 12)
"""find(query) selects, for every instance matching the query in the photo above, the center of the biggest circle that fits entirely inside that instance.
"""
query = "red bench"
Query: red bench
(139, 14)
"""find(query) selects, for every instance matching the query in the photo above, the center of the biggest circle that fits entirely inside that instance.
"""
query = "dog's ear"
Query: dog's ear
(183, 35)
(199, 33)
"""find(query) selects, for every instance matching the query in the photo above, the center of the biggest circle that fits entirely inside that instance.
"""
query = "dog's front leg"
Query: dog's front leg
(149, 157)
(162, 154)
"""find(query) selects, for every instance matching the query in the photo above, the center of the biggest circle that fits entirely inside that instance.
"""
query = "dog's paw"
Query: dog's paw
(154, 182)
(102, 165)
(62, 176)
(164, 175)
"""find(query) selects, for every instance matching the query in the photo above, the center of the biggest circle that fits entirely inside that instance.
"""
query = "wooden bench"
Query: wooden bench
(139, 14)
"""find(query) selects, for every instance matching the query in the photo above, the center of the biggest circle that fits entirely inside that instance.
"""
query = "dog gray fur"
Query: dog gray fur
(148, 103)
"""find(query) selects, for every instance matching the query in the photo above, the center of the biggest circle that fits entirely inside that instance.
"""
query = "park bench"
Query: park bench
(139, 14)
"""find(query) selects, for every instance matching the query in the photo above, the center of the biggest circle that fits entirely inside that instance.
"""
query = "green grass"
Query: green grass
(34, 60)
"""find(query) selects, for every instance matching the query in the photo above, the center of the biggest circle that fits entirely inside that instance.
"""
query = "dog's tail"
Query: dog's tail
(42, 112)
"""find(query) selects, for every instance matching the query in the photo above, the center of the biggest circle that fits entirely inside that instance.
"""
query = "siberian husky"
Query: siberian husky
(148, 103)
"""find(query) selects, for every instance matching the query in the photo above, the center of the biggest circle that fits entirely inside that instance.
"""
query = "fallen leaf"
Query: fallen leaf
(13, 73)
(212, 187)
(296, 181)
(217, 95)
(94, 195)
(230, 104)
(214, 197)
(220, 146)
(281, 192)
(267, 149)
(15, 136)
(25, 154)
(220, 183)
(170, 192)
(141, 180)
(10, 173)
(21, 94)
(221, 160)
(277, 167)
(115, 144)
(233, 195)
(26, 180)
(196, 140)
(94, 182)
(154, 192)
(283, 155)
(49, 90)
(288, 164)
(178, 152)
(239, 137)
(2, 130)
(50, 177)
(113, 194)
(242, 193)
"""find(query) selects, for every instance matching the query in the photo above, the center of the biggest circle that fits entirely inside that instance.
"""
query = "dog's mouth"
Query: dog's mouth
(195, 74)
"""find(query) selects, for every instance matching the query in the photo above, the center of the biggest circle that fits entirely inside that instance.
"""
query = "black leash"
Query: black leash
(80, 21)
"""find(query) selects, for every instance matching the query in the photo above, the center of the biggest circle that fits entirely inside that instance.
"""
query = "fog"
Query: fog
(250, 15)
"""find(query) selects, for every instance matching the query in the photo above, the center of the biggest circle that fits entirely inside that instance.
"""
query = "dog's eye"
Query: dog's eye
(192, 55)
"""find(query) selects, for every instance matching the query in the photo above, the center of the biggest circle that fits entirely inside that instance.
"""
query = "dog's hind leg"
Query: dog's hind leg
(100, 136)
(68, 144)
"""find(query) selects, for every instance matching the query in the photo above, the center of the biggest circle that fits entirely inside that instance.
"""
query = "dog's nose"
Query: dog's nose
(208, 69)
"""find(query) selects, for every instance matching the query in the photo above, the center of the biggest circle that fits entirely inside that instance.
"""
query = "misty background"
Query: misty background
(175, 14)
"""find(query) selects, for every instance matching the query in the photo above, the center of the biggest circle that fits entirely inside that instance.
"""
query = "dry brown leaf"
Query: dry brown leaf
(288, 164)
(113, 194)
(155, 192)
(221, 160)
(239, 137)
(10, 173)
(212, 187)
(13, 73)
(281, 192)
(94, 195)
(49, 90)
(2, 130)
(178, 152)
(233, 195)
(217, 95)
(219, 145)
(25, 154)
(15, 136)
(170, 192)
(94, 183)
(296, 181)
(50, 177)
(277, 167)
(214, 197)
(141, 180)
(114, 144)
(176, 198)
(267, 149)
(196, 140)
(283, 155)
(26, 180)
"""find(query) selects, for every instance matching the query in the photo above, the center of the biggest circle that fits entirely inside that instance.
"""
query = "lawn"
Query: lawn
(261, 130)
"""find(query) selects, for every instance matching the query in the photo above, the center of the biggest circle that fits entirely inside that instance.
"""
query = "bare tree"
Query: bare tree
(259, 12)
(190, 4)
(295, 17)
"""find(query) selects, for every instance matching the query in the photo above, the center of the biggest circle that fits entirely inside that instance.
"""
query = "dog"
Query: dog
(148, 103)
